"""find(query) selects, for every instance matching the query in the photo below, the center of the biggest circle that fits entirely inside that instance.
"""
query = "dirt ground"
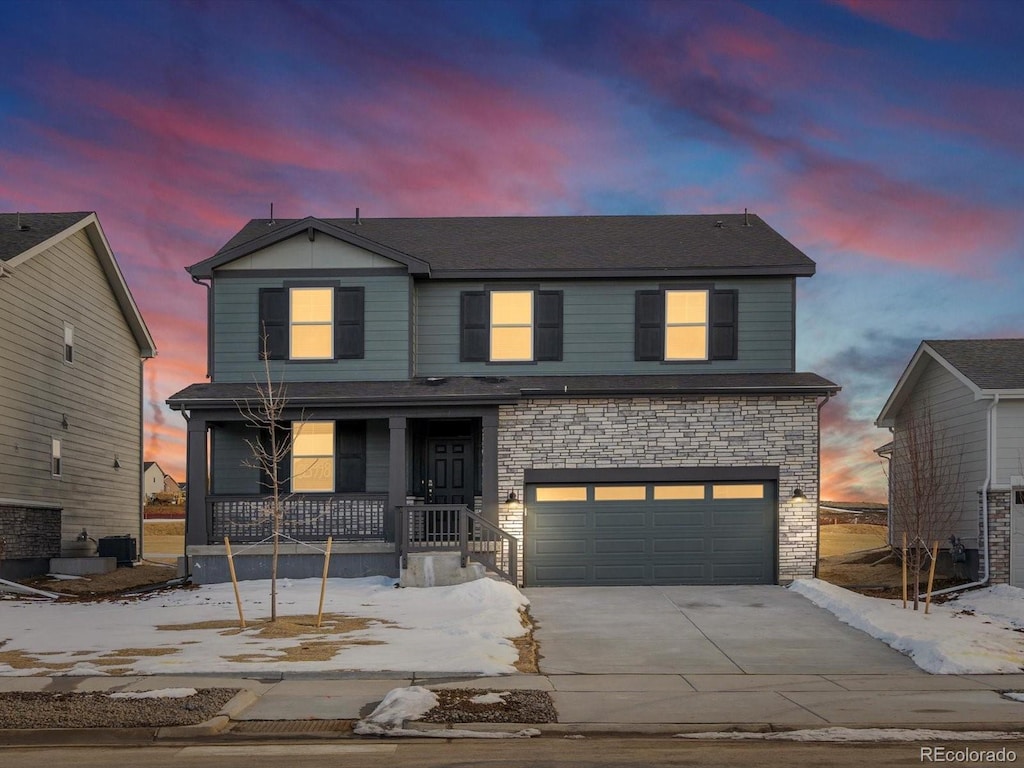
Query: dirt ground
(164, 540)
(107, 584)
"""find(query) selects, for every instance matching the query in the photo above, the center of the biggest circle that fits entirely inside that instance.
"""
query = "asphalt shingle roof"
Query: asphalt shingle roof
(35, 228)
(710, 243)
(989, 363)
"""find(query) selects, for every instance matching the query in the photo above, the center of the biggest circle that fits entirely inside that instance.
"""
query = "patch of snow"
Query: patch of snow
(859, 734)
(64, 577)
(945, 641)
(492, 697)
(410, 630)
(163, 693)
(400, 704)
(1015, 695)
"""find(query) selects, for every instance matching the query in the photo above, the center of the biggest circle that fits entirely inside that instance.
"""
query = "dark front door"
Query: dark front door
(450, 471)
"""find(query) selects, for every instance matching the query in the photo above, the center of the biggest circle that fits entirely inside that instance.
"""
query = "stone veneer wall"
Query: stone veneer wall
(700, 431)
(998, 536)
(29, 532)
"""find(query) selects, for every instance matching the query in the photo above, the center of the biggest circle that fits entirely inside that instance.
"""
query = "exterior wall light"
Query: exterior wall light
(798, 494)
(511, 498)
(117, 462)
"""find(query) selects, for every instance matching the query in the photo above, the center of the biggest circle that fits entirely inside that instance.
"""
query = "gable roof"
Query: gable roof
(514, 246)
(987, 367)
(24, 236)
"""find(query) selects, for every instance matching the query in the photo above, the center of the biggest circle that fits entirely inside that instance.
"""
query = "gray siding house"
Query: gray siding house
(974, 390)
(617, 393)
(72, 345)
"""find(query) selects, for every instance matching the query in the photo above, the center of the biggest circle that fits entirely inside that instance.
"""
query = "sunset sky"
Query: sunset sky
(885, 138)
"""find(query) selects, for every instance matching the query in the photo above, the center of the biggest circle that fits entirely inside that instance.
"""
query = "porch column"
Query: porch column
(489, 469)
(397, 482)
(196, 523)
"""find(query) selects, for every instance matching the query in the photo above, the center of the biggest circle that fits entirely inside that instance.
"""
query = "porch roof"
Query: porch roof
(505, 389)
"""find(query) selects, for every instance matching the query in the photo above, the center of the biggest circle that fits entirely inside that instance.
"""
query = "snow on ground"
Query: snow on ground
(460, 629)
(412, 703)
(974, 634)
(162, 693)
(858, 734)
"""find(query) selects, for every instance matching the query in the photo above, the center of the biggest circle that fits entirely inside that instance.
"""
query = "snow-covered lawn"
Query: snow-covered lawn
(978, 633)
(369, 626)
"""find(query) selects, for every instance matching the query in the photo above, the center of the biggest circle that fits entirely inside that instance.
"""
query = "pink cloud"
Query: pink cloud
(929, 19)
(850, 469)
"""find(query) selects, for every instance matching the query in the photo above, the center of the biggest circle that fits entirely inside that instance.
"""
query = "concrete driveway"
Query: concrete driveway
(713, 630)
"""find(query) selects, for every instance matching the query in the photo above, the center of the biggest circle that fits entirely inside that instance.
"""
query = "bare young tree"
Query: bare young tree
(268, 451)
(926, 487)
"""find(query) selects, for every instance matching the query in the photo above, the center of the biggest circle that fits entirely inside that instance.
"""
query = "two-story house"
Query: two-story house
(617, 392)
(72, 347)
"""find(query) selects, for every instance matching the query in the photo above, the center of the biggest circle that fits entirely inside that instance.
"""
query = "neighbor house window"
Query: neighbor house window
(69, 343)
(312, 323)
(55, 466)
(313, 456)
(511, 325)
(686, 325)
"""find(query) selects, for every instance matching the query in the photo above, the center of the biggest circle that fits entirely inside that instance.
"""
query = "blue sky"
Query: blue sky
(883, 137)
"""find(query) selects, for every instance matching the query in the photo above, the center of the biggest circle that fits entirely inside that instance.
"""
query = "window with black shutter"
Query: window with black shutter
(273, 330)
(349, 331)
(686, 324)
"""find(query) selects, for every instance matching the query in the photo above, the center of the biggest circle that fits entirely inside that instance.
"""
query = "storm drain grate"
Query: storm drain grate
(292, 726)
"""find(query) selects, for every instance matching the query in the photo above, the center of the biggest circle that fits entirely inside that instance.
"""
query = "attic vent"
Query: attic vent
(719, 224)
(22, 227)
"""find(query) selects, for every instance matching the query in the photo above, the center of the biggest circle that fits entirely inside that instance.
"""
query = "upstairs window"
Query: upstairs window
(510, 326)
(313, 456)
(686, 325)
(69, 343)
(311, 323)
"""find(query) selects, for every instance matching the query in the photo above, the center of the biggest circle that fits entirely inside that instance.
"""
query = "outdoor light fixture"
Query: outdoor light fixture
(798, 494)
(117, 462)
(64, 420)
(511, 498)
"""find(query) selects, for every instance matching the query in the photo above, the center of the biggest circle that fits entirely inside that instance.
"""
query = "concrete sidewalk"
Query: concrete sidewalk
(602, 703)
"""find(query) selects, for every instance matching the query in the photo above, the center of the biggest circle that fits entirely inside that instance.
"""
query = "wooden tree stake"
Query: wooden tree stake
(904, 559)
(931, 576)
(234, 581)
(323, 584)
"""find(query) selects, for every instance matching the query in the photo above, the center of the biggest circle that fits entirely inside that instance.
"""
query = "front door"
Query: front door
(450, 471)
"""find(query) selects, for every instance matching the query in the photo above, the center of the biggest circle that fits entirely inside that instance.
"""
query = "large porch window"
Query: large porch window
(313, 457)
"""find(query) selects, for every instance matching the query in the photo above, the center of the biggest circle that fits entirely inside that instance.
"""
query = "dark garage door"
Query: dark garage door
(654, 533)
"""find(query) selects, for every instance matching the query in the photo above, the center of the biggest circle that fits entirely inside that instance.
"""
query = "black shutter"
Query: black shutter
(724, 312)
(474, 325)
(273, 323)
(350, 457)
(650, 326)
(349, 326)
(547, 325)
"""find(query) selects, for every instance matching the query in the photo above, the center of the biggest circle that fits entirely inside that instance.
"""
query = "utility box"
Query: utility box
(121, 547)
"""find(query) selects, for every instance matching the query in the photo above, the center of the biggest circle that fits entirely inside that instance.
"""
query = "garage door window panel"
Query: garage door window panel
(738, 492)
(620, 493)
(561, 493)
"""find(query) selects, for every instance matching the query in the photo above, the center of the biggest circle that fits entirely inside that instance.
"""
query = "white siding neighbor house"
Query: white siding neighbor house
(72, 346)
(974, 390)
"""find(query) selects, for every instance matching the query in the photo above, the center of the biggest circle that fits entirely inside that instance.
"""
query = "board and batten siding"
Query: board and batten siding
(1009, 441)
(99, 393)
(236, 336)
(964, 420)
(598, 329)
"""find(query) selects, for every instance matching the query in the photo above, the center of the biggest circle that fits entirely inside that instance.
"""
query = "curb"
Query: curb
(238, 703)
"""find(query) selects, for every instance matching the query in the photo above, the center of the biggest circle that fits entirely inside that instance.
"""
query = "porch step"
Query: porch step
(439, 569)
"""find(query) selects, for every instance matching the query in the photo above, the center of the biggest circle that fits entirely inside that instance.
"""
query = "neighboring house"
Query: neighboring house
(974, 390)
(72, 345)
(617, 392)
(153, 479)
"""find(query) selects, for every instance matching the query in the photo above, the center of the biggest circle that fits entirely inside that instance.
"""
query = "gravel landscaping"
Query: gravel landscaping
(457, 705)
(101, 710)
